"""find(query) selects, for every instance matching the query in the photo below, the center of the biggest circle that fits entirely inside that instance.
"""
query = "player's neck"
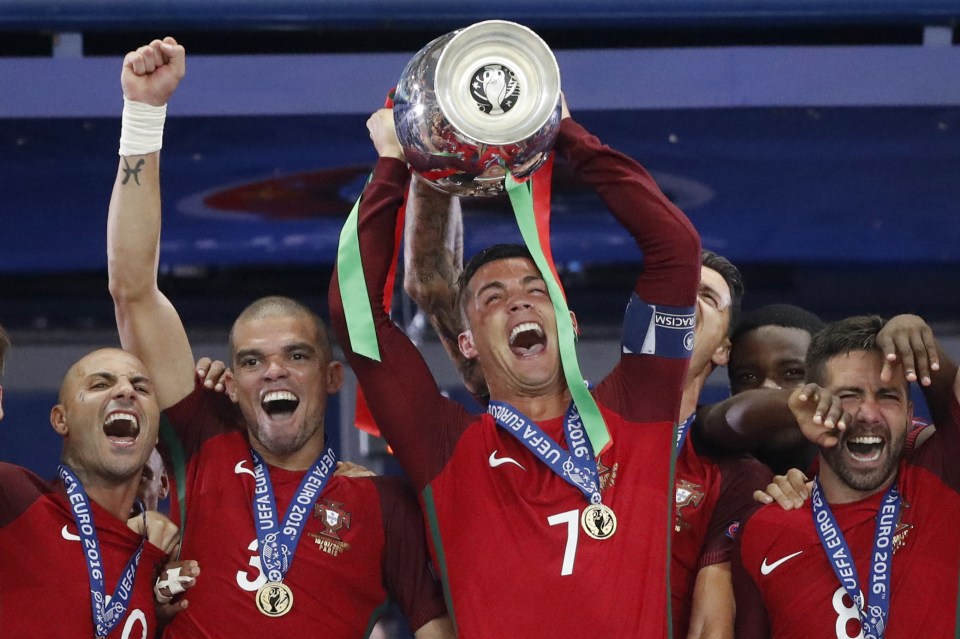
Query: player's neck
(540, 407)
(300, 459)
(837, 491)
(116, 497)
(691, 393)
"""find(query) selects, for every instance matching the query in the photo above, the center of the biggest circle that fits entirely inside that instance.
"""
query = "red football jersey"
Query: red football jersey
(505, 530)
(44, 583)
(363, 545)
(785, 584)
(714, 495)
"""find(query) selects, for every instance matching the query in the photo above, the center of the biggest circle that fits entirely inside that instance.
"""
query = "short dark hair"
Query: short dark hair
(857, 333)
(4, 345)
(731, 275)
(279, 306)
(785, 315)
(490, 254)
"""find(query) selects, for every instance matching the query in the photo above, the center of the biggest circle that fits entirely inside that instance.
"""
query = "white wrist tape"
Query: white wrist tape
(172, 582)
(141, 130)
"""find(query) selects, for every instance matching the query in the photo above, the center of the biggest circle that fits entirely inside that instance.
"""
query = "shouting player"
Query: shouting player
(286, 548)
(523, 552)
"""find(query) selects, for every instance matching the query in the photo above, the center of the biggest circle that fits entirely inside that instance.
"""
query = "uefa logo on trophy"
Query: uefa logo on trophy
(476, 103)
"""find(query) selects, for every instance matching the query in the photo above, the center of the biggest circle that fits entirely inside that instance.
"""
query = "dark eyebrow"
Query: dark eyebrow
(854, 389)
(299, 346)
(248, 352)
(494, 284)
(113, 377)
(786, 361)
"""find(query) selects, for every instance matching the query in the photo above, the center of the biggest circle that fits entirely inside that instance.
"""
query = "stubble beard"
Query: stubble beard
(868, 481)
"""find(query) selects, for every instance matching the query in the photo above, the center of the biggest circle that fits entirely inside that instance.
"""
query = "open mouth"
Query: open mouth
(527, 339)
(865, 448)
(121, 427)
(280, 404)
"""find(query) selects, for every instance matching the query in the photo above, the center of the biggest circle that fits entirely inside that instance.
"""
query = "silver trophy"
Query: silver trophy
(477, 102)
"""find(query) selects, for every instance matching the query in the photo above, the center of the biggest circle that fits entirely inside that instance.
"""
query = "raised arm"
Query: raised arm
(658, 328)
(669, 242)
(908, 341)
(433, 260)
(418, 422)
(749, 419)
(148, 323)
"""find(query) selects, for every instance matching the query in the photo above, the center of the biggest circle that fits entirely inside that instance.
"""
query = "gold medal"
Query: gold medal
(274, 599)
(598, 521)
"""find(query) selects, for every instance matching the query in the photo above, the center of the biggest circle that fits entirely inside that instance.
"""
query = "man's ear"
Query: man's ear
(1, 403)
(721, 356)
(164, 484)
(467, 348)
(230, 385)
(58, 419)
(573, 320)
(334, 377)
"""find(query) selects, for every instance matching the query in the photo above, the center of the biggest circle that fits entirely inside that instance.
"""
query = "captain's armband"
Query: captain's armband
(664, 331)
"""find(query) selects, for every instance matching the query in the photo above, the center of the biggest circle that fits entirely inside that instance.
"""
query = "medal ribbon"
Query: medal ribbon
(522, 198)
(277, 543)
(105, 616)
(683, 429)
(578, 466)
(874, 616)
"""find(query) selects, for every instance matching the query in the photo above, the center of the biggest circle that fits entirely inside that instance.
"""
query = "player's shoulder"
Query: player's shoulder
(772, 520)
(386, 488)
(392, 488)
(203, 405)
(19, 488)
(13, 477)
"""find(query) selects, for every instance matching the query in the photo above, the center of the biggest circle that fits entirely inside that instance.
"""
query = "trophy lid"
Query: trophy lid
(501, 82)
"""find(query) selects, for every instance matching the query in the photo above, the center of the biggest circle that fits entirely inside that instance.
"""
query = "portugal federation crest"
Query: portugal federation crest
(688, 494)
(335, 521)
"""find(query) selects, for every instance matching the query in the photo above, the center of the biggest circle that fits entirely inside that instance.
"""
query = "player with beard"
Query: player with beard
(516, 543)
(286, 548)
(67, 544)
(881, 525)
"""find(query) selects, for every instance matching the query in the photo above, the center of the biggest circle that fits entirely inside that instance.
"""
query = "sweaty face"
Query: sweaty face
(769, 357)
(512, 327)
(108, 415)
(281, 378)
(869, 449)
(713, 320)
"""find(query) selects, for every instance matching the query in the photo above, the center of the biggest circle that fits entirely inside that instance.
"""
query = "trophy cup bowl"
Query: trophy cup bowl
(477, 102)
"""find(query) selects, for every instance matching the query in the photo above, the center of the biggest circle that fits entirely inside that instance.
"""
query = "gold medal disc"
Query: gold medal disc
(598, 521)
(274, 599)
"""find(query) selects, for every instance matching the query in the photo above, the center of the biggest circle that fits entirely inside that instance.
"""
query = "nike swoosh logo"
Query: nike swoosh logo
(766, 569)
(500, 461)
(239, 469)
(69, 536)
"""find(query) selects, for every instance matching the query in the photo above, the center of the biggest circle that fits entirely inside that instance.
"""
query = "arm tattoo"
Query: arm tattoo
(134, 172)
